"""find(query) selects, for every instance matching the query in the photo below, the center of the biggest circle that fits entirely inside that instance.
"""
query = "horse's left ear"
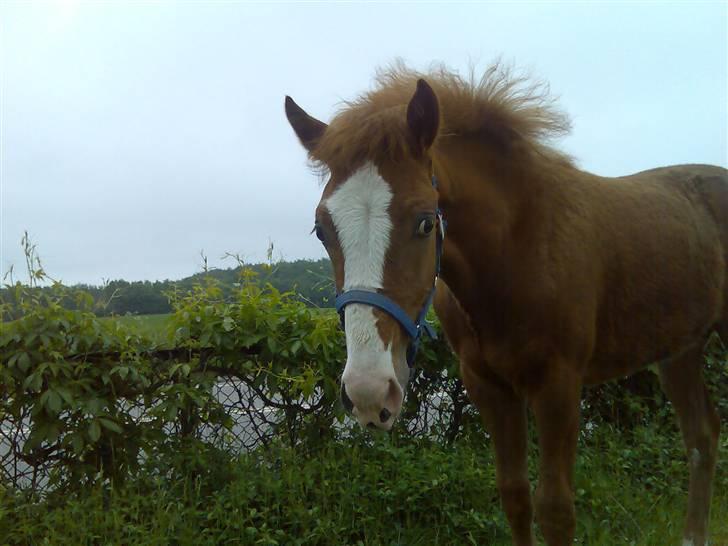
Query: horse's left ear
(423, 117)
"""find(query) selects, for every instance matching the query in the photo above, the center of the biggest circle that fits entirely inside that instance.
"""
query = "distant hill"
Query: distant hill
(309, 279)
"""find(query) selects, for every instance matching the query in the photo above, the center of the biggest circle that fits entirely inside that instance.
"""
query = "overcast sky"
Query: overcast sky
(135, 135)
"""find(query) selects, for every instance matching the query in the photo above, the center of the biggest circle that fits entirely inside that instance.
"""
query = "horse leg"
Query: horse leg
(723, 327)
(504, 415)
(682, 381)
(555, 405)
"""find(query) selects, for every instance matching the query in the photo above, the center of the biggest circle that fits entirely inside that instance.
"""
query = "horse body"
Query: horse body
(568, 254)
(613, 273)
(620, 273)
(663, 264)
(552, 278)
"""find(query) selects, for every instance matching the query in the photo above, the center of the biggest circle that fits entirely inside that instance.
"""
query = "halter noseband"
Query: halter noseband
(373, 297)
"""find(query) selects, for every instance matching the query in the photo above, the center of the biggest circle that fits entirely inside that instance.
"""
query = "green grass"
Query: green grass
(630, 490)
(155, 327)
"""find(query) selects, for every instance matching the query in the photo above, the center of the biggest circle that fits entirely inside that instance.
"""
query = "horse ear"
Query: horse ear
(423, 117)
(308, 129)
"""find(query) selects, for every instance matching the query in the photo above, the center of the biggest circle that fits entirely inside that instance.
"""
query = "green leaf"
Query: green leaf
(53, 433)
(13, 359)
(94, 406)
(33, 382)
(251, 339)
(94, 431)
(77, 443)
(5, 339)
(66, 395)
(228, 324)
(54, 401)
(24, 361)
(111, 425)
(42, 432)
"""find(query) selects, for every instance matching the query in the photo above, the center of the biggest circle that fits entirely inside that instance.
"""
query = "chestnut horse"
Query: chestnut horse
(555, 278)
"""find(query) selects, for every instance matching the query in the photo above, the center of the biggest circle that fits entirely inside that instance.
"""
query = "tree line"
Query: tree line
(309, 280)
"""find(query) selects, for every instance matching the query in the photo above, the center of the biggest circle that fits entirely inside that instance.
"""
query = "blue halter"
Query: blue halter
(414, 328)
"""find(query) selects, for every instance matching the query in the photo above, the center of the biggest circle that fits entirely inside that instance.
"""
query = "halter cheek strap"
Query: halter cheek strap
(413, 328)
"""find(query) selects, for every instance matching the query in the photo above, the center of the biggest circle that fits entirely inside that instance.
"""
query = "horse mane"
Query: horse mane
(499, 107)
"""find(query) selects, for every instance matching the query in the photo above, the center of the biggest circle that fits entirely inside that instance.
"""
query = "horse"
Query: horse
(548, 278)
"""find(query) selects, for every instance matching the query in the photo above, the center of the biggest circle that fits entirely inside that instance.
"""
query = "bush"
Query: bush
(66, 376)
(98, 397)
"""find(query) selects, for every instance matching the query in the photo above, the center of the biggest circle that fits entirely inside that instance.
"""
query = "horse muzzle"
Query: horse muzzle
(375, 401)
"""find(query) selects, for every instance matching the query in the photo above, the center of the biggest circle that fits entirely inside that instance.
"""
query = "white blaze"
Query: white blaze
(359, 209)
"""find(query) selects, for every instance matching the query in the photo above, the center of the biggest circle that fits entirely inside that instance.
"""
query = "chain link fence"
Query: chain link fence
(240, 416)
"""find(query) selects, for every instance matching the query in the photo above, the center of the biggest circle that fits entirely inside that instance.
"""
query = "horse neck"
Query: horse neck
(495, 204)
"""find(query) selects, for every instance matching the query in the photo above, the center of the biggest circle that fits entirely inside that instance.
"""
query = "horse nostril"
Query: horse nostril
(384, 415)
(371, 425)
(348, 404)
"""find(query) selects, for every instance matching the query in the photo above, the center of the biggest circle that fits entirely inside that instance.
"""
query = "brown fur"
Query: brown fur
(552, 277)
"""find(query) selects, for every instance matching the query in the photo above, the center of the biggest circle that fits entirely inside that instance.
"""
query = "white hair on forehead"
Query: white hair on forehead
(359, 209)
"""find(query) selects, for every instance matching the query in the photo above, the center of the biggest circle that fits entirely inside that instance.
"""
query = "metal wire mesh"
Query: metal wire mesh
(436, 408)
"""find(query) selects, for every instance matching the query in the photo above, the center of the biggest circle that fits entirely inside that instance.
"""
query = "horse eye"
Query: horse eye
(319, 232)
(425, 226)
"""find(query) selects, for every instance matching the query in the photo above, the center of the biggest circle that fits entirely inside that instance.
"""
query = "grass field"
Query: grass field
(156, 327)
(381, 494)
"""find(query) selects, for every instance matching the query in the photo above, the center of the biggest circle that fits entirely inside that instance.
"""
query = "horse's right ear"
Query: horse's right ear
(308, 129)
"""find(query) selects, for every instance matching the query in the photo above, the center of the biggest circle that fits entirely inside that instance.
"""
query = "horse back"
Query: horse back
(663, 262)
(712, 186)
(707, 185)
